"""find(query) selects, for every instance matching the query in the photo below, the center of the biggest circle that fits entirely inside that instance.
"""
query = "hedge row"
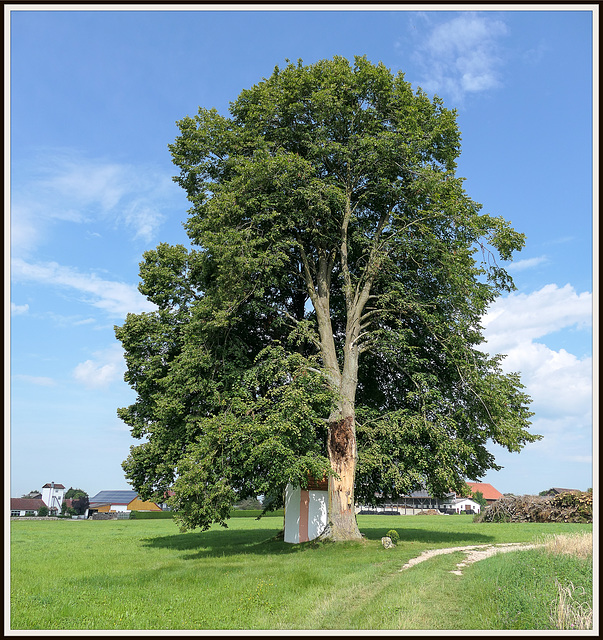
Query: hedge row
(151, 515)
(254, 513)
(235, 513)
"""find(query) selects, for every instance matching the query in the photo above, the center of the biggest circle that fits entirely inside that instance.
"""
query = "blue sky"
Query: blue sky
(94, 96)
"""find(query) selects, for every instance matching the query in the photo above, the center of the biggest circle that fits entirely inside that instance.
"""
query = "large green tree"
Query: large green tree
(326, 319)
(75, 493)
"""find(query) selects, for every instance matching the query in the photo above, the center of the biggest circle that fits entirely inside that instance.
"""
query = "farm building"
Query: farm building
(20, 507)
(119, 501)
(52, 497)
(555, 491)
(461, 505)
(305, 511)
(487, 490)
(409, 504)
(422, 500)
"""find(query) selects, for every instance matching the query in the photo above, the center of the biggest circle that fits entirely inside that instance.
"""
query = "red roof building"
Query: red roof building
(25, 506)
(487, 490)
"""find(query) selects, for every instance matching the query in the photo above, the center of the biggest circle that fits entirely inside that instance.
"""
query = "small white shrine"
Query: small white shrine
(306, 511)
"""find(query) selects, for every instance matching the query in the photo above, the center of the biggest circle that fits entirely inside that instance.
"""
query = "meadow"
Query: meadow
(146, 574)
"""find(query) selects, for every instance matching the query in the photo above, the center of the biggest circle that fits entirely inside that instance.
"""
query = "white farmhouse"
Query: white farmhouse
(463, 505)
(52, 497)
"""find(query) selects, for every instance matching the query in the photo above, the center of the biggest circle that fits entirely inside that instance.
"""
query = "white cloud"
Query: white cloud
(25, 230)
(461, 55)
(18, 309)
(115, 298)
(42, 381)
(519, 318)
(79, 323)
(63, 186)
(86, 183)
(106, 367)
(559, 382)
(123, 192)
(566, 439)
(529, 263)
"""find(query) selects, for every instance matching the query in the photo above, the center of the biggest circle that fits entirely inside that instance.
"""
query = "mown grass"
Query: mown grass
(145, 574)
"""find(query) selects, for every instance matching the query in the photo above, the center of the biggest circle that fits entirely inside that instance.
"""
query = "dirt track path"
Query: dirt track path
(473, 553)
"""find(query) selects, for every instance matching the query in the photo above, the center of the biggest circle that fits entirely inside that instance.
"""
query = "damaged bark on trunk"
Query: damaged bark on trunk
(341, 446)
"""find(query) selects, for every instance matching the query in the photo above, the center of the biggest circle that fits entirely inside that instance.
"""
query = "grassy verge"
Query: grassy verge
(144, 574)
(523, 591)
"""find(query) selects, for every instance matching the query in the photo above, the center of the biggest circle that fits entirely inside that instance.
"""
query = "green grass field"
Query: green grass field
(145, 574)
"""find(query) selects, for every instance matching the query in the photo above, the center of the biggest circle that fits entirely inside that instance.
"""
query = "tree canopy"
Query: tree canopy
(75, 493)
(478, 496)
(325, 321)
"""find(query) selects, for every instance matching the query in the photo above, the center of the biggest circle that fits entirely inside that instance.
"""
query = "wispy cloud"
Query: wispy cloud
(64, 186)
(18, 309)
(63, 320)
(461, 55)
(42, 381)
(566, 439)
(528, 263)
(114, 298)
(106, 367)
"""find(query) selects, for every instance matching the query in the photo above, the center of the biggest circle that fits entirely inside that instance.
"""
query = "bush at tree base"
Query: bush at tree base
(565, 507)
(393, 535)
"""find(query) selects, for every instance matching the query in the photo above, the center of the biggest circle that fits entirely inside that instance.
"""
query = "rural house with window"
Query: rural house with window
(21, 507)
(53, 496)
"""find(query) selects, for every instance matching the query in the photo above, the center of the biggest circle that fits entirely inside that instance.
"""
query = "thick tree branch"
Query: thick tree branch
(345, 269)
(307, 273)
(372, 267)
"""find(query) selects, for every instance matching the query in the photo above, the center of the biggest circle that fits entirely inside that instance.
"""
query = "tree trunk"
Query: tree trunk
(341, 438)
(341, 447)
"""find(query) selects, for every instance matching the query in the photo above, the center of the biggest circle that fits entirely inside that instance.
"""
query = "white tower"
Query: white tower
(52, 496)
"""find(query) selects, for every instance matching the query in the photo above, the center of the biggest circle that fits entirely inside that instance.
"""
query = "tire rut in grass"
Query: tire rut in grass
(348, 600)
(473, 553)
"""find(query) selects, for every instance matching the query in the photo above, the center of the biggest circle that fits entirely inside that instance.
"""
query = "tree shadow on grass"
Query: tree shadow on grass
(224, 542)
(265, 541)
(428, 536)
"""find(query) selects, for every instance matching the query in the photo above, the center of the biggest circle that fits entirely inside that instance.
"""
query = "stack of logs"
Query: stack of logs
(564, 507)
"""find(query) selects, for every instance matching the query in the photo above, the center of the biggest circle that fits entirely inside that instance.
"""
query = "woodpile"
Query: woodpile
(565, 507)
